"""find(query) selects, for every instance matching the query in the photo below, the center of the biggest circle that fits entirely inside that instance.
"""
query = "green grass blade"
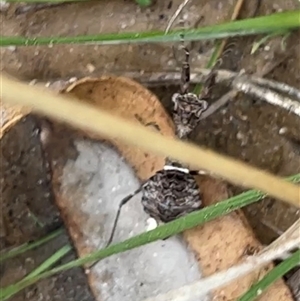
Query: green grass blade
(263, 40)
(43, 267)
(161, 232)
(275, 274)
(266, 24)
(44, 1)
(143, 2)
(50, 261)
(212, 61)
(29, 246)
(218, 49)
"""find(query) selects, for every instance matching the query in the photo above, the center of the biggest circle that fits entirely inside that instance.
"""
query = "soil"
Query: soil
(250, 130)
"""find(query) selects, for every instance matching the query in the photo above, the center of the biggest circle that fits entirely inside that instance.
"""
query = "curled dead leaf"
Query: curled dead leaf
(128, 99)
(218, 244)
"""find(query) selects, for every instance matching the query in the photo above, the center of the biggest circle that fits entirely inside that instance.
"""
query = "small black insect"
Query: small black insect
(173, 191)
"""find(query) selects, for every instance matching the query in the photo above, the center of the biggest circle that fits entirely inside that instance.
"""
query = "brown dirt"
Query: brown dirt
(29, 213)
(245, 129)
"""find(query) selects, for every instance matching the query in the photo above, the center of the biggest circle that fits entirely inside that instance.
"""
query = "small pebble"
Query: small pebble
(91, 68)
(72, 79)
(171, 63)
(45, 134)
(185, 16)
(58, 85)
(33, 82)
(12, 48)
(29, 260)
(242, 137)
(283, 130)
(151, 224)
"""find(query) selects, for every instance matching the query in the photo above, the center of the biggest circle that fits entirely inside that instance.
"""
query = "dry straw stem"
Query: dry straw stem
(291, 233)
(176, 14)
(202, 287)
(258, 89)
(280, 87)
(197, 76)
(236, 11)
(250, 85)
(223, 76)
(269, 96)
(89, 118)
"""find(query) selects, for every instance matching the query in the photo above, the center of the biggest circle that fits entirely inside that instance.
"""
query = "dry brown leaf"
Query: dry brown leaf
(10, 115)
(218, 244)
(227, 241)
(121, 95)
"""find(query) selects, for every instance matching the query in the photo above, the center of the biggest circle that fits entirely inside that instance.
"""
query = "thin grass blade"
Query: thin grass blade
(161, 232)
(35, 273)
(211, 63)
(29, 246)
(275, 274)
(219, 46)
(50, 261)
(266, 24)
(263, 40)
